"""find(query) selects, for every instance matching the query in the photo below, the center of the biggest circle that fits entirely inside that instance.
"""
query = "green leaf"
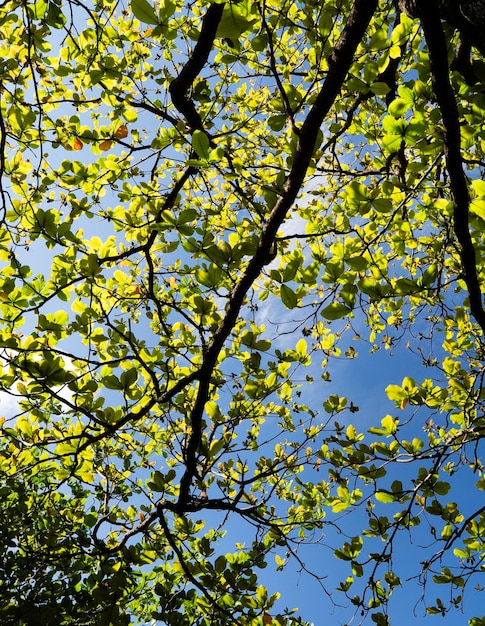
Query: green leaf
(477, 207)
(335, 311)
(357, 569)
(441, 488)
(373, 288)
(288, 297)
(235, 21)
(381, 619)
(277, 122)
(358, 263)
(399, 107)
(389, 424)
(405, 286)
(215, 448)
(301, 348)
(55, 17)
(128, 378)
(382, 205)
(379, 88)
(39, 9)
(144, 12)
(201, 144)
(112, 382)
(384, 496)
(478, 187)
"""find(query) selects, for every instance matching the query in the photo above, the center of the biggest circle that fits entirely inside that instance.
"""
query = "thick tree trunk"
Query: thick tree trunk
(467, 16)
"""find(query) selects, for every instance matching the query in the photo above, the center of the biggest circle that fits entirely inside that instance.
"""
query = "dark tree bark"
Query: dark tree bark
(468, 18)
(462, 14)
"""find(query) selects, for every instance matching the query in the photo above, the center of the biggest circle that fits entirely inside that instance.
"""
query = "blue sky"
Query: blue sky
(363, 381)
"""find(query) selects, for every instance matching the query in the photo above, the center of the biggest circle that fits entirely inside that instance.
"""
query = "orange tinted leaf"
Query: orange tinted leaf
(105, 145)
(77, 144)
(267, 619)
(404, 403)
(121, 132)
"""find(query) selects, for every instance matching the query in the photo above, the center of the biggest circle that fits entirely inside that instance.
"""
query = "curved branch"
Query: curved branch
(183, 82)
(339, 65)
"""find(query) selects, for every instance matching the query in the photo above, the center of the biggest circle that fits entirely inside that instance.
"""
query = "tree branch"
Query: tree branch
(183, 82)
(340, 63)
(428, 11)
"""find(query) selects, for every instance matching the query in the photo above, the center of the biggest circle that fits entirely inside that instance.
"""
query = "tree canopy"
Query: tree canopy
(205, 208)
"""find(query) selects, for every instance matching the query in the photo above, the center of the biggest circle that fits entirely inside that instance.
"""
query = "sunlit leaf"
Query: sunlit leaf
(288, 297)
(335, 311)
(200, 143)
(144, 11)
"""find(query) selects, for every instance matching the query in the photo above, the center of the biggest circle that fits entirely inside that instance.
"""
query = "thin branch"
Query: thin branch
(181, 559)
